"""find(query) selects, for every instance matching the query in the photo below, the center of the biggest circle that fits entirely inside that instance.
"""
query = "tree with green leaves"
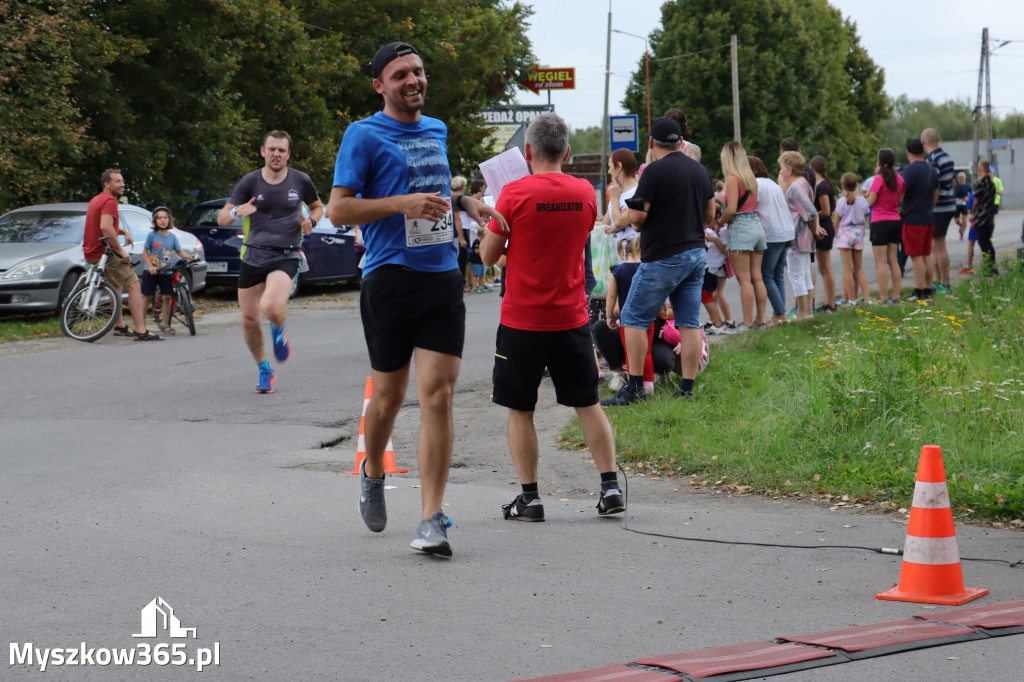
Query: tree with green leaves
(178, 93)
(802, 74)
(43, 135)
(910, 117)
(473, 51)
(586, 140)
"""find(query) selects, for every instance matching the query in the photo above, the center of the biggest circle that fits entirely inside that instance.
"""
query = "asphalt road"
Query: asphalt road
(135, 471)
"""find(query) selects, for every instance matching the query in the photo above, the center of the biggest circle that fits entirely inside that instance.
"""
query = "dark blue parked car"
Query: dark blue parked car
(333, 253)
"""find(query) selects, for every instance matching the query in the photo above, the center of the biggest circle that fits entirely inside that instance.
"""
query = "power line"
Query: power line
(691, 54)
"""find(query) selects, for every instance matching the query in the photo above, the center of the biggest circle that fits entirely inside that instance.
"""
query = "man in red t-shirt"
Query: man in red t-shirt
(544, 317)
(101, 220)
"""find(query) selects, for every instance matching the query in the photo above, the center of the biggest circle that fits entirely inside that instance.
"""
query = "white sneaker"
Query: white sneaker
(713, 330)
(617, 381)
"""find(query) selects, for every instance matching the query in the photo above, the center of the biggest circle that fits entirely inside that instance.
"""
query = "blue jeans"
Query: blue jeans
(773, 272)
(677, 278)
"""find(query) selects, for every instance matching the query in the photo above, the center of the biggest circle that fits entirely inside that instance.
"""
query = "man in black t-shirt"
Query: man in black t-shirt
(674, 201)
(270, 203)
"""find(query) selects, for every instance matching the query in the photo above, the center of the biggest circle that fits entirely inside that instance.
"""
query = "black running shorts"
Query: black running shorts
(886, 232)
(250, 275)
(942, 221)
(403, 309)
(826, 242)
(521, 356)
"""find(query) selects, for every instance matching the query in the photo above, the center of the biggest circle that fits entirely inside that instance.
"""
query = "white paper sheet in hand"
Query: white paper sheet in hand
(503, 169)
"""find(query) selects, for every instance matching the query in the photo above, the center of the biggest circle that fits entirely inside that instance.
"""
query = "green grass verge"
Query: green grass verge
(28, 327)
(842, 404)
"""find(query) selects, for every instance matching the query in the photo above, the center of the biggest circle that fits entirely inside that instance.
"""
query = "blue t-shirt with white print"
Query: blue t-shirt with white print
(161, 249)
(381, 157)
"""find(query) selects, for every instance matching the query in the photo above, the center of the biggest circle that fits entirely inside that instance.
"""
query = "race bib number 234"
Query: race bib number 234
(420, 232)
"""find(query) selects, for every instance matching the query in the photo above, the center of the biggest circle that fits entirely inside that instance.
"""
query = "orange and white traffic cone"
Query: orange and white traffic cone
(931, 572)
(390, 465)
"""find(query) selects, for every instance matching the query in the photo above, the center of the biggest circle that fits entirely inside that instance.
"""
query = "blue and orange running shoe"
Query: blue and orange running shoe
(266, 384)
(282, 349)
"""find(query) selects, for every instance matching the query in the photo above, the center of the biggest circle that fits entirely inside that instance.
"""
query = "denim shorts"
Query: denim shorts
(677, 278)
(746, 233)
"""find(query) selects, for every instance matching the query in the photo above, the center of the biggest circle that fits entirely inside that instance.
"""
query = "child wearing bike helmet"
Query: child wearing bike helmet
(160, 246)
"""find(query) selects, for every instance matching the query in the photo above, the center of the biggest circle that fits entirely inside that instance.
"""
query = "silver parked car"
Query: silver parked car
(41, 252)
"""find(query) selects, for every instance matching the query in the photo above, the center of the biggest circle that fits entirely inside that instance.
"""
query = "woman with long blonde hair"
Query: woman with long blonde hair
(746, 236)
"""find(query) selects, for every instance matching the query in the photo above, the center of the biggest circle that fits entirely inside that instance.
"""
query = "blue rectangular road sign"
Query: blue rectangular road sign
(624, 132)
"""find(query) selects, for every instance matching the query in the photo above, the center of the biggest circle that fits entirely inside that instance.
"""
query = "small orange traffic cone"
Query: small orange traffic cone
(390, 465)
(931, 572)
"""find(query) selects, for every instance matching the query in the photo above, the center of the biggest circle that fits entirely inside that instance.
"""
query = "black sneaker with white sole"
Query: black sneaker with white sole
(611, 502)
(521, 510)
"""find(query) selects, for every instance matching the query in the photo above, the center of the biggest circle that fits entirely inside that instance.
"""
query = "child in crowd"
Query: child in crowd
(161, 245)
(618, 291)
(668, 337)
(852, 210)
(983, 213)
(476, 264)
(972, 237)
(717, 263)
(475, 270)
(714, 277)
(884, 198)
(458, 185)
(719, 192)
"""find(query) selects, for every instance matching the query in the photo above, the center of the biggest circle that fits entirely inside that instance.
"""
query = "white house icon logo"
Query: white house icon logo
(158, 609)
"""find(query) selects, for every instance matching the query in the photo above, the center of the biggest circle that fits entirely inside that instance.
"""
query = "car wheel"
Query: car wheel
(295, 287)
(66, 286)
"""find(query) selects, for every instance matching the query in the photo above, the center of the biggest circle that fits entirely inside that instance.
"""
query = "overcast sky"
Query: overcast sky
(939, 60)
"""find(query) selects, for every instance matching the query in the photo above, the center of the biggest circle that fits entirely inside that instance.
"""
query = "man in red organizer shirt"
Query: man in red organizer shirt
(544, 317)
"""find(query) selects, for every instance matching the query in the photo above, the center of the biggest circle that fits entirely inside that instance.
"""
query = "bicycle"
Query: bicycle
(93, 306)
(182, 306)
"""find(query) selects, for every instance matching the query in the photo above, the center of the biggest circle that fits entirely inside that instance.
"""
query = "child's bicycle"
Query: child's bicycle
(93, 306)
(182, 308)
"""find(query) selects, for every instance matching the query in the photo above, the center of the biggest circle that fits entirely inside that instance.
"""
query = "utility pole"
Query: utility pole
(988, 100)
(983, 80)
(735, 89)
(604, 121)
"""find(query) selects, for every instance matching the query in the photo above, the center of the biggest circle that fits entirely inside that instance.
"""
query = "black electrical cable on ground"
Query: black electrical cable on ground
(877, 550)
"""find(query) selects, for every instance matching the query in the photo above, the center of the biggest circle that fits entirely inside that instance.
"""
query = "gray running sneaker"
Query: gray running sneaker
(371, 500)
(431, 536)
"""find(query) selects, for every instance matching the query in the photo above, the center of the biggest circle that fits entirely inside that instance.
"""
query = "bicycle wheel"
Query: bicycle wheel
(89, 314)
(184, 297)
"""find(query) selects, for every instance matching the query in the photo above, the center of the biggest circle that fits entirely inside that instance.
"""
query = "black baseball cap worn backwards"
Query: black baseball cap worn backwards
(666, 131)
(390, 53)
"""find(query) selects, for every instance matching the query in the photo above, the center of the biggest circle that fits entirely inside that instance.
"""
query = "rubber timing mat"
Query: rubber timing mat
(789, 654)
(734, 658)
(994, 619)
(879, 639)
(616, 672)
